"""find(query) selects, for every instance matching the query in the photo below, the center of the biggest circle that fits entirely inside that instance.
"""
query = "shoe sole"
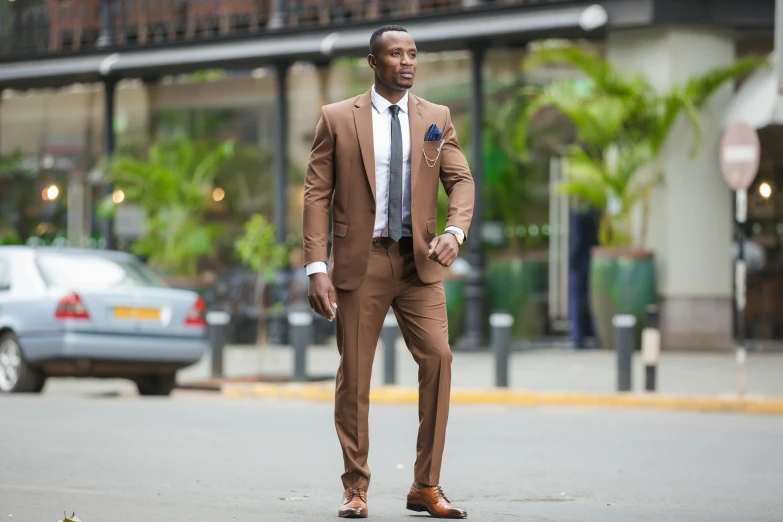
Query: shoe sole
(352, 515)
(416, 507)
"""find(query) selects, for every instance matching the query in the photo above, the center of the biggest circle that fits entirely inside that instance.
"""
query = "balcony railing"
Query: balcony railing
(31, 28)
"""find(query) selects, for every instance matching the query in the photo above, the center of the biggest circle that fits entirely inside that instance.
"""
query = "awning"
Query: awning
(757, 101)
(444, 32)
(52, 72)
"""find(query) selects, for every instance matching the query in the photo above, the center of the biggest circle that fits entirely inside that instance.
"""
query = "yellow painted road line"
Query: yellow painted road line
(397, 395)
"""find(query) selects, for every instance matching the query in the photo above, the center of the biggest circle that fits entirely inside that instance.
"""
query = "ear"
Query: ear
(371, 61)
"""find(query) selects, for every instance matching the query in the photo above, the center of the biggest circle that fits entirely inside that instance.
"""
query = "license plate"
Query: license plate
(137, 314)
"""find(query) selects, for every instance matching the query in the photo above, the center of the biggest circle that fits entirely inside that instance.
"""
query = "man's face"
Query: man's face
(394, 61)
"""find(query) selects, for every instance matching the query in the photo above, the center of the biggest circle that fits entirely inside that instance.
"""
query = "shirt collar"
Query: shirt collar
(382, 105)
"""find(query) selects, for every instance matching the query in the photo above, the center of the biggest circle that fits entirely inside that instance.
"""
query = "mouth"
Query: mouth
(407, 75)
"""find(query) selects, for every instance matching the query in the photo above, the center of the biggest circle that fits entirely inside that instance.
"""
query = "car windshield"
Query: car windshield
(95, 272)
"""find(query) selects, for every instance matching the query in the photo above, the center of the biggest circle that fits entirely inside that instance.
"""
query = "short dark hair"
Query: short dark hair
(376, 35)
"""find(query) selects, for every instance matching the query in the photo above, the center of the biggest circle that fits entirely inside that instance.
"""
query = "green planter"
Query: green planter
(622, 280)
(455, 306)
(518, 286)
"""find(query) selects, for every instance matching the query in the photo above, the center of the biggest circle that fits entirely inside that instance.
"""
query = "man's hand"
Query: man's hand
(444, 249)
(322, 295)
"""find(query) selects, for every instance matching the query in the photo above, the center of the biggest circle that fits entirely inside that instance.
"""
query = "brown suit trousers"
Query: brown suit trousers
(392, 280)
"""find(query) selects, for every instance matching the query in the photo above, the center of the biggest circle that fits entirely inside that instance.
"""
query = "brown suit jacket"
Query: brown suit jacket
(341, 170)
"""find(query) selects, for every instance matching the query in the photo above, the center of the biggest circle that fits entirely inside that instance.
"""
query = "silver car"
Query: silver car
(74, 312)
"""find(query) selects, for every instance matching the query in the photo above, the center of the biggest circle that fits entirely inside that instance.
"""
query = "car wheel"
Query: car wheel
(16, 374)
(156, 384)
(38, 384)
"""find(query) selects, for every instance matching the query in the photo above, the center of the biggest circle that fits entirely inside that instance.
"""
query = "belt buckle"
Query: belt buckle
(375, 241)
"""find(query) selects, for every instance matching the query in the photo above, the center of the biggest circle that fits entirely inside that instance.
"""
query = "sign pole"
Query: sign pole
(779, 44)
(740, 155)
(740, 274)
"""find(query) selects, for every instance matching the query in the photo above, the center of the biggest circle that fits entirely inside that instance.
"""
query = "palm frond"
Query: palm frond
(562, 96)
(694, 95)
(643, 195)
(660, 126)
(10, 164)
(597, 119)
(622, 123)
(585, 178)
(206, 169)
(584, 190)
(605, 77)
(606, 117)
(630, 160)
(642, 189)
(172, 184)
(699, 89)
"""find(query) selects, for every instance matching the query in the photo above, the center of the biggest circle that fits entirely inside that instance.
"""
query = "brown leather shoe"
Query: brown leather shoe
(432, 500)
(354, 504)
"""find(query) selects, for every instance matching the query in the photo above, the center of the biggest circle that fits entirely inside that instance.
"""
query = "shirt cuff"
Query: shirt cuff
(458, 231)
(318, 267)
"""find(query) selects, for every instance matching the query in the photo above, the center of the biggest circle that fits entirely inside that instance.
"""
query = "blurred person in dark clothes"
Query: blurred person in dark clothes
(583, 237)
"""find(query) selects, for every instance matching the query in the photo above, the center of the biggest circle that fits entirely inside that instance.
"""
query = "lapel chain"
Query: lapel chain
(431, 163)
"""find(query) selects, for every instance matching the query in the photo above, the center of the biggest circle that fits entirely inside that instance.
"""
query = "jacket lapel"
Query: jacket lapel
(362, 116)
(417, 125)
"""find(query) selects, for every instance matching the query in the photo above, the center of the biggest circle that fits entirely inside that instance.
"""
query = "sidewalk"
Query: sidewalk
(536, 376)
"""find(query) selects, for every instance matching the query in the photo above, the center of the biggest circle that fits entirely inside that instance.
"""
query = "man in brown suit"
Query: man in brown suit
(378, 159)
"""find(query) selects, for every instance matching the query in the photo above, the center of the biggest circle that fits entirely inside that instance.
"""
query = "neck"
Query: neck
(391, 95)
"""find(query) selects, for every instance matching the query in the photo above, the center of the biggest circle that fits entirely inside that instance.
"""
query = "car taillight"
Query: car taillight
(71, 307)
(197, 314)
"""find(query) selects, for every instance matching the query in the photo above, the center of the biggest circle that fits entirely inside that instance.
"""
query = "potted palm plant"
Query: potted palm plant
(10, 162)
(259, 250)
(507, 273)
(20, 188)
(621, 123)
(516, 270)
(173, 186)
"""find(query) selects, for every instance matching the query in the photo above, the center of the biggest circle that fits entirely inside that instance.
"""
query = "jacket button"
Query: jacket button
(372, 210)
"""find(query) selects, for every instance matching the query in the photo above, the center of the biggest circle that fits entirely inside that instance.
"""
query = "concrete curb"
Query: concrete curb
(397, 395)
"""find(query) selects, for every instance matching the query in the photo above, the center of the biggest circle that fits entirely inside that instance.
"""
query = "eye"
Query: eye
(413, 55)
(395, 53)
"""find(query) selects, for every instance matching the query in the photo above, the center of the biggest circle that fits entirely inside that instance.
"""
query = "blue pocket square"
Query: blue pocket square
(433, 133)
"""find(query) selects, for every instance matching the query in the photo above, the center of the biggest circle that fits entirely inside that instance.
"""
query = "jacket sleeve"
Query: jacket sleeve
(456, 179)
(318, 189)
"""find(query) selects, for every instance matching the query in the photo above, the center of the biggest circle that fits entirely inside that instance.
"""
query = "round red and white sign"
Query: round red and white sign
(740, 154)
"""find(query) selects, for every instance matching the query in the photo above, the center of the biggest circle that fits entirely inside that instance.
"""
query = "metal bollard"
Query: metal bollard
(651, 347)
(301, 325)
(624, 325)
(389, 334)
(216, 326)
(500, 324)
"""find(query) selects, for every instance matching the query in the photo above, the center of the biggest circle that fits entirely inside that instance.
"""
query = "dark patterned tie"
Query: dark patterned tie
(395, 176)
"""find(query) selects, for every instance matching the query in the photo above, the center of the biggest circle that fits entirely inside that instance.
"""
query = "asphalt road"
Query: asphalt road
(197, 456)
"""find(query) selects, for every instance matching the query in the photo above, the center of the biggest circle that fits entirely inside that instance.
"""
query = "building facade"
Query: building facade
(54, 109)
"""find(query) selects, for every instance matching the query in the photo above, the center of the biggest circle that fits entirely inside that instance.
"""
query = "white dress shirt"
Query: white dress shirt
(381, 133)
